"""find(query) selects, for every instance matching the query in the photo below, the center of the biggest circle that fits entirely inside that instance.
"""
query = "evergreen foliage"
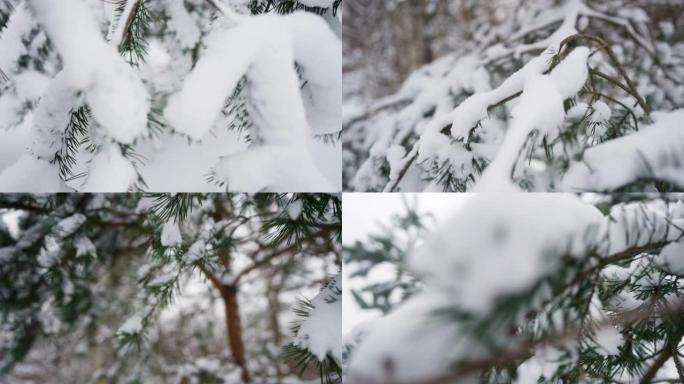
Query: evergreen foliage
(82, 264)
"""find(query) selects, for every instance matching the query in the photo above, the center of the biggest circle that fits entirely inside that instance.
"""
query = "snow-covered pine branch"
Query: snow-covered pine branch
(317, 335)
(528, 288)
(454, 119)
(88, 81)
(265, 50)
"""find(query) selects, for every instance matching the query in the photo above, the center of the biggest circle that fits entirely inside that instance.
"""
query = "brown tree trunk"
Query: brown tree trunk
(237, 346)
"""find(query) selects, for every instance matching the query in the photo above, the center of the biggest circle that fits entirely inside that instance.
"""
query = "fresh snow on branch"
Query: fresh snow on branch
(265, 49)
(521, 100)
(224, 95)
(529, 286)
(113, 90)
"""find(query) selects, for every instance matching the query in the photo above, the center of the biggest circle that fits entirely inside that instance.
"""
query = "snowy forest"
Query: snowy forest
(508, 95)
(170, 288)
(518, 288)
(116, 95)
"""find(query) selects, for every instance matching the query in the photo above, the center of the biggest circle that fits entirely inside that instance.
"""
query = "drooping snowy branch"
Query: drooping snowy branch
(284, 128)
(114, 92)
(448, 122)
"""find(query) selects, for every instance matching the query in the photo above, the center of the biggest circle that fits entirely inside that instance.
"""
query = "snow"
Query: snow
(321, 69)
(404, 141)
(228, 278)
(609, 339)
(671, 258)
(320, 332)
(180, 21)
(651, 152)
(110, 171)
(570, 74)
(11, 39)
(388, 351)
(35, 104)
(280, 169)
(495, 247)
(543, 364)
(539, 109)
(601, 112)
(171, 235)
(84, 246)
(162, 280)
(132, 326)
(51, 118)
(116, 95)
(68, 226)
(263, 49)
(21, 177)
(294, 209)
(196, 251)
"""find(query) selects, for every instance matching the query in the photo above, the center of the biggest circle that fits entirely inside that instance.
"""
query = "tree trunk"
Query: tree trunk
(237, 346)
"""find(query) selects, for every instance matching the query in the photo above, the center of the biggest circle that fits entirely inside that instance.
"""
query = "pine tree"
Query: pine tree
(81, 129)
(82, 264)
(536, 288)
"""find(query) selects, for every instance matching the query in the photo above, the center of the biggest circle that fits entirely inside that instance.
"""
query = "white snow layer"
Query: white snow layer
(321, 332)
(672, 258)
(171, 235)
(21, 177)
(66, 227)
(540, 109)
(116, 95)
(609, 339)
(132, 326)
(477, 257)
(264, 49)
(110, 171)
(655, 151)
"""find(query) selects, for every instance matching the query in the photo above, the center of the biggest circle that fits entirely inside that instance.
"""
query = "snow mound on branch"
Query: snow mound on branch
(609, 340)
(321, 332)
(32, 174)
(110, 171)
(116, 95)
(264, 49)
(653, 152)
(12, 37)
(52, 117)
(672, 258)
(171, 235)
(271, 168)
(180, 21)
(539, 109)
(322, 70)
(68, 226)
(84, 246)
(132, 326)
(494, 247)
(571, 73)
(407, 345)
